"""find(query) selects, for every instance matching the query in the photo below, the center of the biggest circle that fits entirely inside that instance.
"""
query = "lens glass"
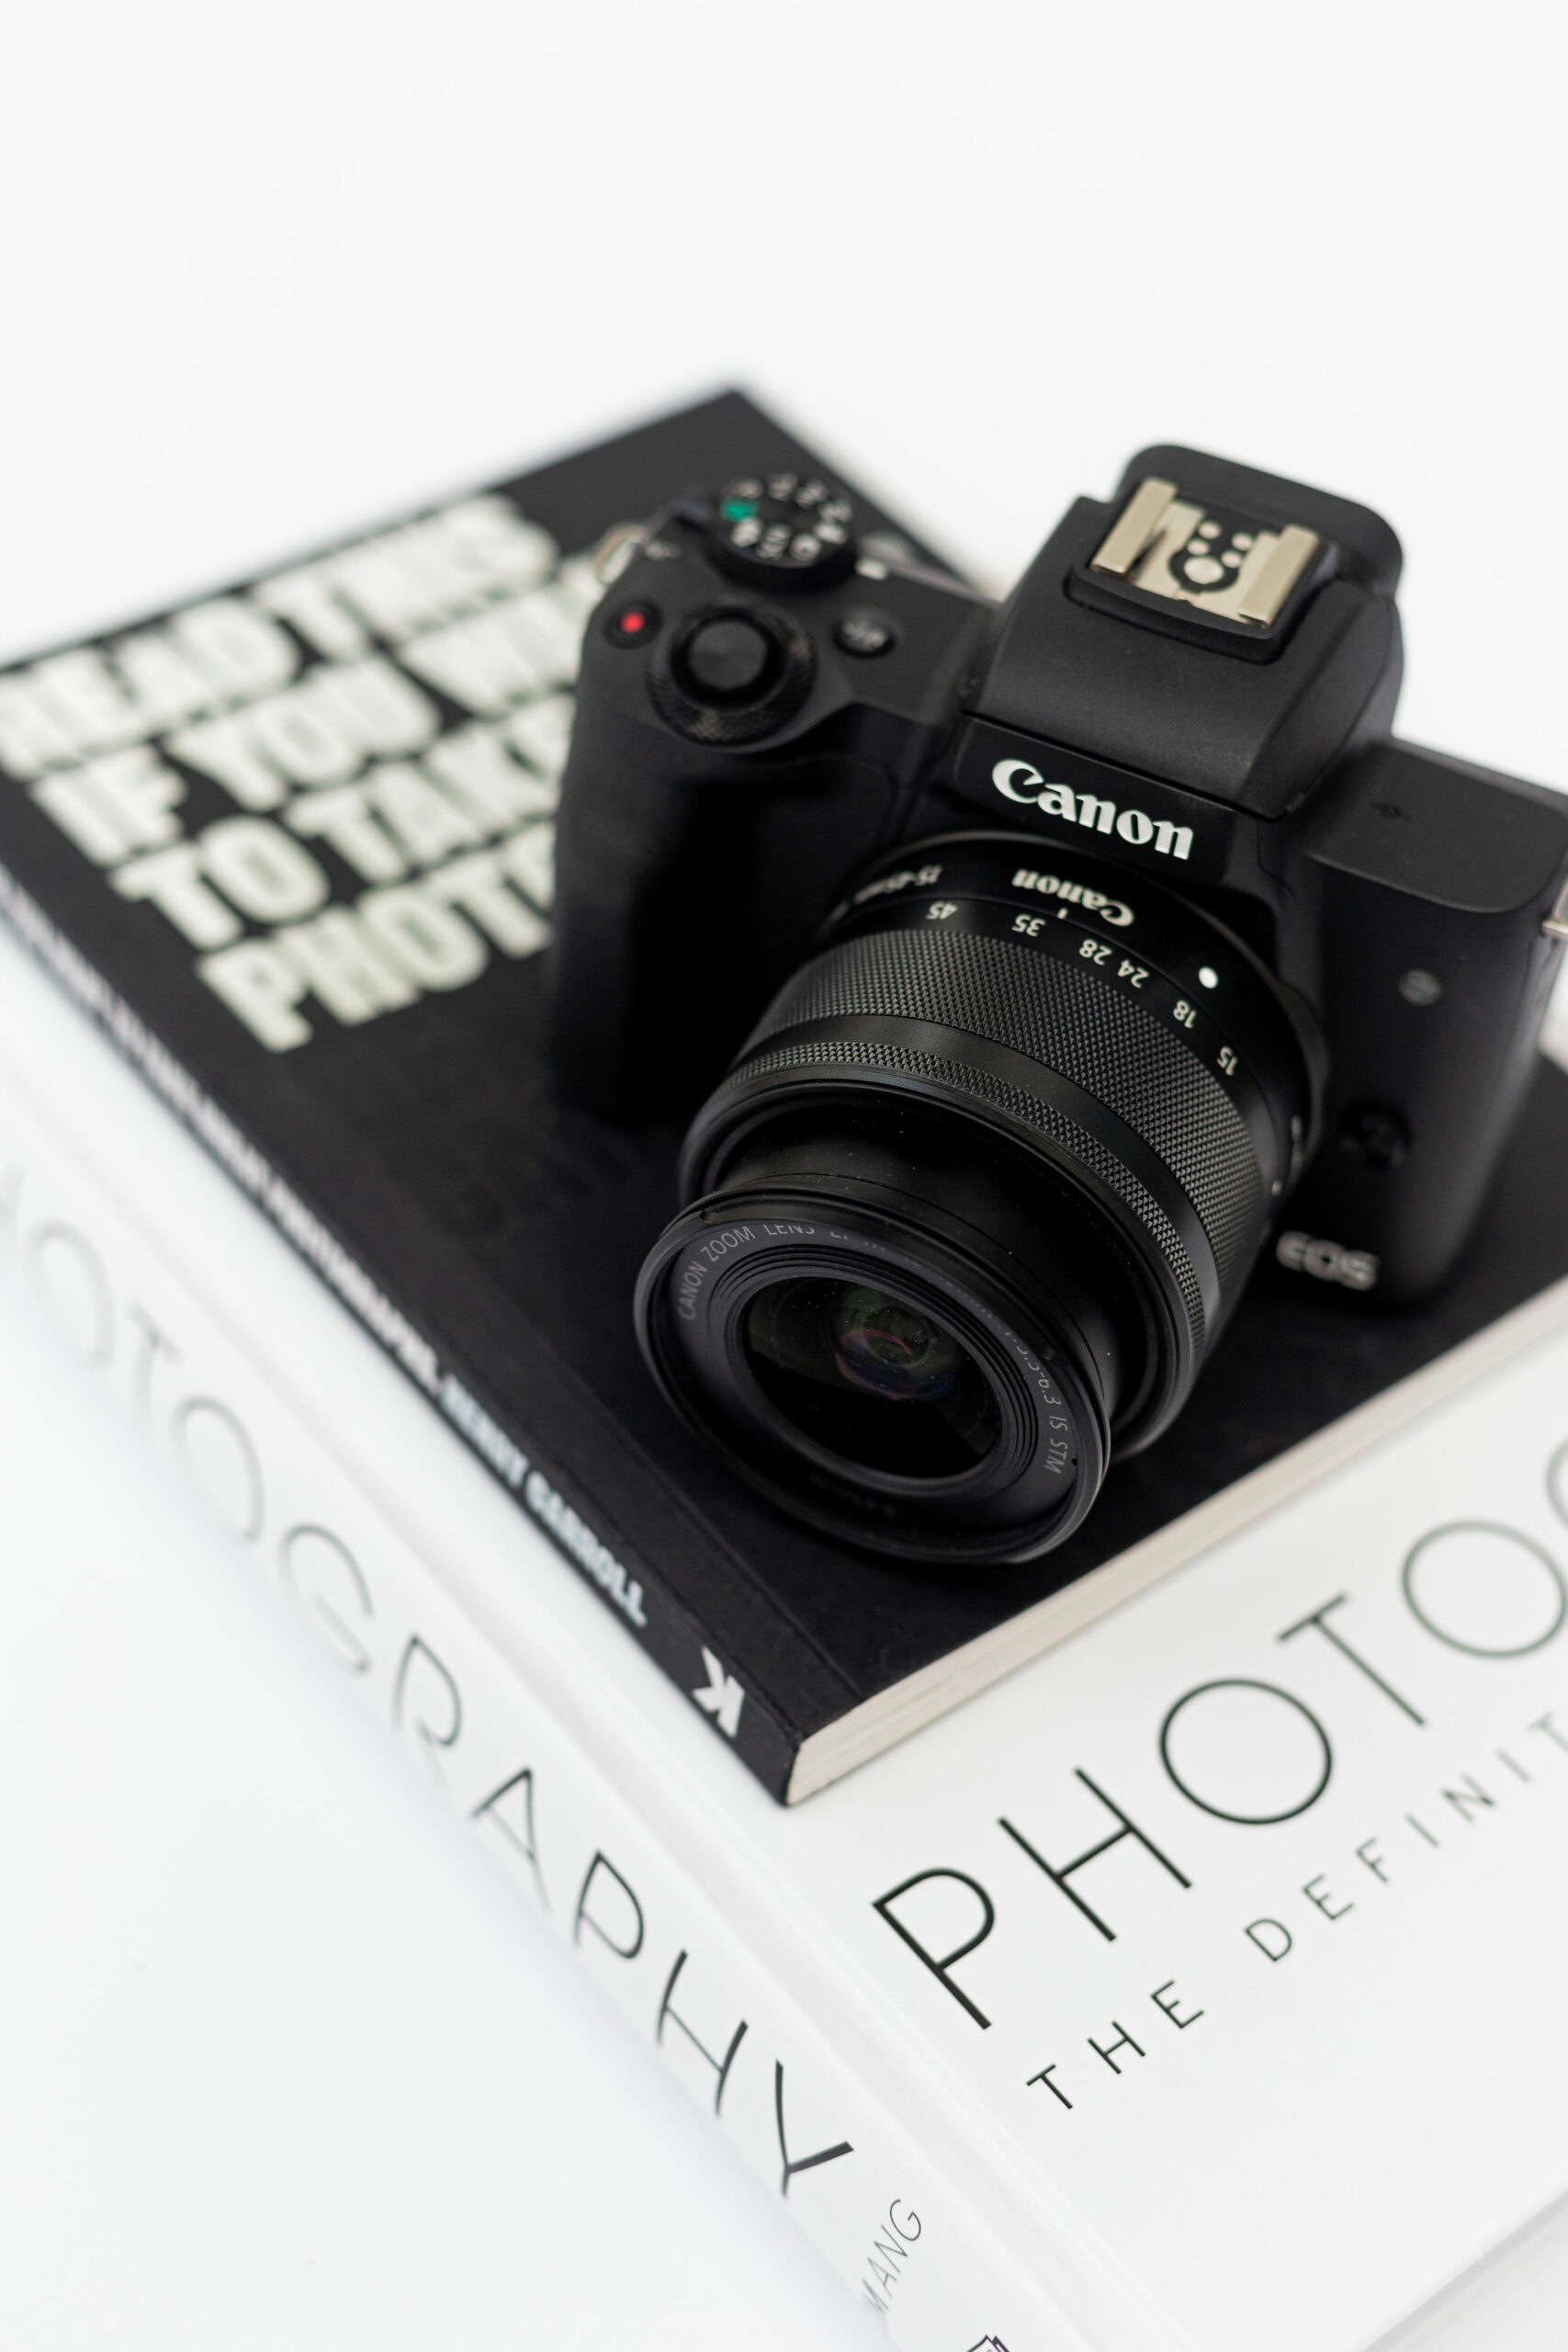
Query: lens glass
(870, 1377)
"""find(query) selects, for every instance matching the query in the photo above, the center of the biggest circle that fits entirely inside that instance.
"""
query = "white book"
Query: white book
(1035, 2023)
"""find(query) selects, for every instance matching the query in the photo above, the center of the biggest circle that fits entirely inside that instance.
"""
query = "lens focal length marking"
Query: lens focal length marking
(1062, 930)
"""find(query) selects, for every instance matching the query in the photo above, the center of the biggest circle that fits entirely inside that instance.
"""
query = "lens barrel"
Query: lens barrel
(977, 1195)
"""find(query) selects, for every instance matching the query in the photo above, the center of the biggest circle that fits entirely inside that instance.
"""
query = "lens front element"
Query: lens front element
(836, 1325)
(870, 1378)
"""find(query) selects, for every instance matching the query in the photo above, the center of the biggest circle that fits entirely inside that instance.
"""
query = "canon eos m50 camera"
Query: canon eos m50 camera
(1029, 958)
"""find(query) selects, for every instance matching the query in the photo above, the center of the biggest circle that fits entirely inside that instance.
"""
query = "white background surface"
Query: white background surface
(281, 2065)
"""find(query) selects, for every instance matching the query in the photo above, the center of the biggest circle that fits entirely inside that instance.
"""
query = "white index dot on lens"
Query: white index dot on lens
(1209, 976)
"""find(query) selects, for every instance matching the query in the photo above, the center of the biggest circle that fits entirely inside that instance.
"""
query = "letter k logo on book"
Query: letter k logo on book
(721, 1697)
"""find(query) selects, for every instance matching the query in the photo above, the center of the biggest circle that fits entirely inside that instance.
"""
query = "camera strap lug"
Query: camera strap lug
(616, 551)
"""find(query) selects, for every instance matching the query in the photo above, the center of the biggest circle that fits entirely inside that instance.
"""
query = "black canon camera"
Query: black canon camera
(1029, 958)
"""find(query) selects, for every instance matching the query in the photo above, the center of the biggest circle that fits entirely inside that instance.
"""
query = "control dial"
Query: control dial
(731, 674)
(789, 530)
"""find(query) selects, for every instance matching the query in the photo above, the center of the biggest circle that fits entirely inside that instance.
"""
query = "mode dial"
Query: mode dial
(788, 529)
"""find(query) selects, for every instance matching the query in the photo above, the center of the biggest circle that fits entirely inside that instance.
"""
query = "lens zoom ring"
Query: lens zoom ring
(863, 1053)
(1072, 1022)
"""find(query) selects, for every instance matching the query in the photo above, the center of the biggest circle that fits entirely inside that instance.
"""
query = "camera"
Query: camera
(1019, 962)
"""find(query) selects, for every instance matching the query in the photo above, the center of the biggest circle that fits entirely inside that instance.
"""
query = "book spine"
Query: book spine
(629, 1585)
(777, 2081)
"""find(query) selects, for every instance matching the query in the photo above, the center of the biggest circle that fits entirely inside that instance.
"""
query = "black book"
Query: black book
(291, 845)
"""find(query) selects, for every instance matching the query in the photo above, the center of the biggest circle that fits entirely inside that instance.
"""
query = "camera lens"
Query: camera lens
(870, 1377)
(977, 1195)
(875, 1319)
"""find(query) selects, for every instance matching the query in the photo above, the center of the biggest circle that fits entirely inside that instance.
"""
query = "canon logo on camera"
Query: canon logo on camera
(1016, 780)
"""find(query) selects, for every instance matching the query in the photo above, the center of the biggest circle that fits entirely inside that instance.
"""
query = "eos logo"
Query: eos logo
(1016, 780)
(1356, 1269)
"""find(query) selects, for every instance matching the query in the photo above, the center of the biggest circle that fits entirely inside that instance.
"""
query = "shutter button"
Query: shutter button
(727, 659)
(730, 674)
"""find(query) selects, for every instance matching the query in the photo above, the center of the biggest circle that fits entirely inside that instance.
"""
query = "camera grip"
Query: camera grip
(620, 978)
(689, 882)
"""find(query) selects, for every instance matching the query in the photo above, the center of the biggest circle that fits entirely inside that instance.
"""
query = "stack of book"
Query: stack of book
(1194, 1982)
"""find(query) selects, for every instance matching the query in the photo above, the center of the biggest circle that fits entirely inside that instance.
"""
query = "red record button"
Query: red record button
(633, 624)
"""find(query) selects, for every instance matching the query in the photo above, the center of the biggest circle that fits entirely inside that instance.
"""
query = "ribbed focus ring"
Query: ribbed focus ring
(1067, 1020)
(864, 1054)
